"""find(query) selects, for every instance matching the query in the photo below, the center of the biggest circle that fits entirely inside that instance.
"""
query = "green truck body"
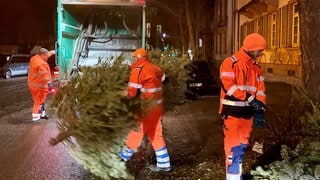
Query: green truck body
(91, 31)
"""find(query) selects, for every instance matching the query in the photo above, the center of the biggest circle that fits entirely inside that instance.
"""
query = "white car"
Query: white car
(14, 64)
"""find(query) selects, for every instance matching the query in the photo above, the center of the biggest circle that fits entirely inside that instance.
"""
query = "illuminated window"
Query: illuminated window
(295, 28)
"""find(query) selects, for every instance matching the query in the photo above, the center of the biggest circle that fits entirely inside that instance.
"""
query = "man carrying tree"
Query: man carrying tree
(146, 81)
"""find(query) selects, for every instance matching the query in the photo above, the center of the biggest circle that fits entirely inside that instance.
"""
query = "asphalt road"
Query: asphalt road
(25, 152)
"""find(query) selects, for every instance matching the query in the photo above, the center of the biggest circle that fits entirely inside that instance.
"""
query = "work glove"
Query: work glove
(257, 105)
(258, 113)
(258, 120)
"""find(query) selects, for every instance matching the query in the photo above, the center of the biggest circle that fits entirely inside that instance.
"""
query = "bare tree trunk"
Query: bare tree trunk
(183, 43)
(190, 28)
(310, 45)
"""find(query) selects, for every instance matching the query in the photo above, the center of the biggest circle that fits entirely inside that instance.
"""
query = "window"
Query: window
(273, 30)
(269, 70)
(295, 28)
(291, 72)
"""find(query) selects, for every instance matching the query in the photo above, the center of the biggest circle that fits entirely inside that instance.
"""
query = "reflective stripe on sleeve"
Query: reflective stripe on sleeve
(151, 90)
(228, 74)
(135, 85)
(261, 93)
(243, 88)
(248, 88)
(232, 90)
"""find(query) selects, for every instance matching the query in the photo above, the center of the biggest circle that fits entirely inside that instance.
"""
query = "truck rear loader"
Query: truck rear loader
(93, 31)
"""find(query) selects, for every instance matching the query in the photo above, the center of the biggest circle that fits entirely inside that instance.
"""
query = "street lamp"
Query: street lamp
(164, 46)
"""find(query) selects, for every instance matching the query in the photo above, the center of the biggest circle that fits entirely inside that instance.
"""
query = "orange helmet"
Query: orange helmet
(140, 53)
(254, 42)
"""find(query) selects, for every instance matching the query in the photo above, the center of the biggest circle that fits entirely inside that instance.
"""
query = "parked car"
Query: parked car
(14, 65)
(202, 81)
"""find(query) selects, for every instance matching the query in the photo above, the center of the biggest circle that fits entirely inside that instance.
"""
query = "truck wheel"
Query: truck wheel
(8, 74)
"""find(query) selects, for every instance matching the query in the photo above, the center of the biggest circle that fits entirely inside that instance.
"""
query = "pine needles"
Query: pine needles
(94, 117)
(303, 161)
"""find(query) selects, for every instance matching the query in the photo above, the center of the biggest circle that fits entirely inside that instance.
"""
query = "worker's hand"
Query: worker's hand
(258, 113)
(124, 93)
(258, 120)
(51, 86)
(257, 105)
(52, 52)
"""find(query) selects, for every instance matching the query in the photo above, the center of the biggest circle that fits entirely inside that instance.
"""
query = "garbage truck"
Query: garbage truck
(93, 31)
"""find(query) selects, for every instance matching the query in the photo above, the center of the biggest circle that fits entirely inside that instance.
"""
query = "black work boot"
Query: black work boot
(44, 117)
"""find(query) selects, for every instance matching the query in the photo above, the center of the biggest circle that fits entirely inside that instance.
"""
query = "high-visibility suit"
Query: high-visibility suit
(241, 78)
(146, 81)
(39, 76)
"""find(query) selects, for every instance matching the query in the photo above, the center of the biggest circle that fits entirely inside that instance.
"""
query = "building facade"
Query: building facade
(277, 21)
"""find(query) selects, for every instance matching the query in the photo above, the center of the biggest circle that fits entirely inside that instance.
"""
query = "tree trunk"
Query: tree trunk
(310, 45)
(183, 43)
(190, 28)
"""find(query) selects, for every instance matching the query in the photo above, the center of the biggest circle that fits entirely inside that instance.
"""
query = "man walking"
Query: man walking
(146, 82)
(39, 79)
(242, 93)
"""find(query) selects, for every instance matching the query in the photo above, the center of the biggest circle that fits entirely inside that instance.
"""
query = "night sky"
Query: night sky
(33, 22)
(27, 21)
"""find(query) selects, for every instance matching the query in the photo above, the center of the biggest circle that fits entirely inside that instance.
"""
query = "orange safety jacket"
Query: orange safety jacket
(146, 81)
(39, 74)
(241, 76)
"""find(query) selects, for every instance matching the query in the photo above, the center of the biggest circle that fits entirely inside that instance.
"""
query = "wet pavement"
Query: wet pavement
(25, 152)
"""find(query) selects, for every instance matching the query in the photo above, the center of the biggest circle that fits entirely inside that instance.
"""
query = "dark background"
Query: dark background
(27, 23)
(33, 22)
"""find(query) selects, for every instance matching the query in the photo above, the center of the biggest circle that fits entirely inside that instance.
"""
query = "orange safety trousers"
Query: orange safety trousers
(39, 96)
(236, 137)
(151, 125)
